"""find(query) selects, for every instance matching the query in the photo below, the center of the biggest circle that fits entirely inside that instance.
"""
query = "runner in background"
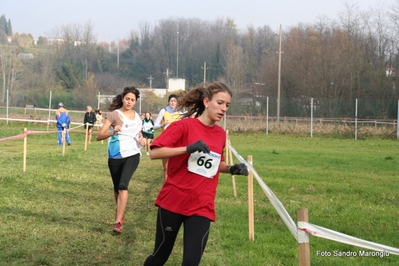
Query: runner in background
(99, 118)
(122, 128)
(167, 116)
(148, 131)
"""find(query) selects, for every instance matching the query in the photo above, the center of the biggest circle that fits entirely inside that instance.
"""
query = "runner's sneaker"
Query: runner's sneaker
(118, 228)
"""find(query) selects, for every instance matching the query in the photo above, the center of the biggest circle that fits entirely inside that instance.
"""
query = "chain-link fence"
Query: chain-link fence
(322, 107)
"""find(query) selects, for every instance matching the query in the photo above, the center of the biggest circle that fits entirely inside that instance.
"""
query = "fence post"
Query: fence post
(25, 150)
(233, 178)
(397, 124)
(311, 117)
(63, 140)
(227, 148)
(86, 135)
(356, 119)
(267, 115)
(251, 203)
(49, 112)
(303, 239)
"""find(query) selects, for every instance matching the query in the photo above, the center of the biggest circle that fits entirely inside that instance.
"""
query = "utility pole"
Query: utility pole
(204, 68)
(177, 56)
(167, 79)
(150, 78)
(279, 76)
(117, 56)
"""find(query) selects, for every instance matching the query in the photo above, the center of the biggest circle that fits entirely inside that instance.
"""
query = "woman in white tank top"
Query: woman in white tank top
(122, 128)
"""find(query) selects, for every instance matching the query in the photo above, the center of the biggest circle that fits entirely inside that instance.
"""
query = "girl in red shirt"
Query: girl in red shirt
(194, 147)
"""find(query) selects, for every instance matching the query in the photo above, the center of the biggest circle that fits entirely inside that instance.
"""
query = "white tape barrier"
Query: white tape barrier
(322, 232)
(47, 121)
(79, 125)
(310, 228)
(273, 199)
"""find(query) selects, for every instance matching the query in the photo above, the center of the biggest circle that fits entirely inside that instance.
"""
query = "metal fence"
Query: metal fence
(304, 116)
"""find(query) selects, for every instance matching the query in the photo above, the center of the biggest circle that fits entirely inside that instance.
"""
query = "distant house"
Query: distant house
(52, 41)
(25, 55)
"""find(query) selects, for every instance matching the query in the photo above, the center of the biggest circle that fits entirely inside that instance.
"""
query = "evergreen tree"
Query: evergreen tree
(9, 28)
(3, 24)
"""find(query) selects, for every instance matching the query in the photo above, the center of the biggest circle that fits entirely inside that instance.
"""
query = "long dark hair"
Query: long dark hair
(193, 100)
(117, 100)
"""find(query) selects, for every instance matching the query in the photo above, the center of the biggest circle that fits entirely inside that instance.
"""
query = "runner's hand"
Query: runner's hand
(238, 169)
(198, 146)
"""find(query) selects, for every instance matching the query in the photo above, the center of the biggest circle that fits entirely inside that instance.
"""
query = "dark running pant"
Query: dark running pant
(122, 171)
(195, 236)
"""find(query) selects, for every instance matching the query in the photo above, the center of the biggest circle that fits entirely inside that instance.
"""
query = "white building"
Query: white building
(175, 84)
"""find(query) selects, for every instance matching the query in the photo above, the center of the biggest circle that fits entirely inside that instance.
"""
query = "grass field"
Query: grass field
(61, 210)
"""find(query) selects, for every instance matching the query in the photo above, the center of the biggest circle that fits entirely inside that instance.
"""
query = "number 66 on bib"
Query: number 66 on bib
(204, 164)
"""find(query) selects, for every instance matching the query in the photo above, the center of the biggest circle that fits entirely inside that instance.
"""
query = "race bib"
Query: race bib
(147, 127)
(204, 164)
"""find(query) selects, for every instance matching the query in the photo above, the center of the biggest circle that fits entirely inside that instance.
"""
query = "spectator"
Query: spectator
(63, 120)
(89, 120)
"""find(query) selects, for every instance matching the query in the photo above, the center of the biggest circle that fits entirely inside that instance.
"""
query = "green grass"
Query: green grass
(61, 210)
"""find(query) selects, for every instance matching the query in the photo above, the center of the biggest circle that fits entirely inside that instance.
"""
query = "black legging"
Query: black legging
(195, 236)
(122, 171)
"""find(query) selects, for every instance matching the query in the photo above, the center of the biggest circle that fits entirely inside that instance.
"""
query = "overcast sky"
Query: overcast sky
(113, 19)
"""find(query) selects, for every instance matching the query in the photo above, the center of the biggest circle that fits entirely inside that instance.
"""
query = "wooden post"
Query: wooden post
(226, 157)
(233, 178)
(63, 141)
(25, 150)
(87, 134)
(303, 239)
(251, 203)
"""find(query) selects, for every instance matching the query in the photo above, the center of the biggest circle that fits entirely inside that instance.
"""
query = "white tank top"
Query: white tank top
(126, 142)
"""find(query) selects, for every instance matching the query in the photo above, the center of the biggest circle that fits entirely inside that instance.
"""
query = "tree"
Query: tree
(3, 37)
(23, 40)
(11, 69)
(86, 94)
(9, 28)
(235, 68)
(42, 41)
(3, 24)
(70, 75)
